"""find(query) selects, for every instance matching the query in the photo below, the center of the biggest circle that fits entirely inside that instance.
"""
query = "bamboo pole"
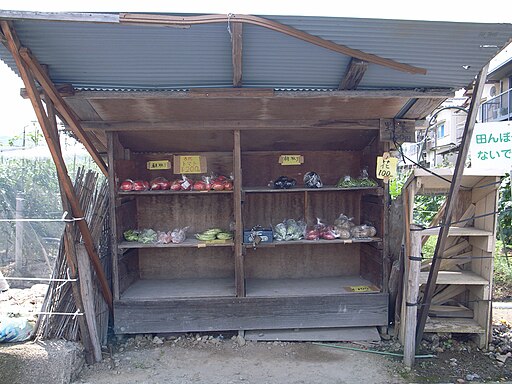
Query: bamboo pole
(13, 45)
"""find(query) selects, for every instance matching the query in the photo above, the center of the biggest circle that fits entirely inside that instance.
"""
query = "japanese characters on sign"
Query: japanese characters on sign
(398, 130)
(185, 164)
(491, 146)
(386, 166)
(154, 165)
(291, 159)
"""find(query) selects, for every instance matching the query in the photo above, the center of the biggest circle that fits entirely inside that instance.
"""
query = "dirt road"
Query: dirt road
(223, 362)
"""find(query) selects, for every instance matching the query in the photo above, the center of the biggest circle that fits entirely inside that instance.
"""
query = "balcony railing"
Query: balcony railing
(498, 108)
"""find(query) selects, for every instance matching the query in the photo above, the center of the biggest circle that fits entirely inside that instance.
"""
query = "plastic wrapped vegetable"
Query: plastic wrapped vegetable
(284, 182)
(178, 235)
(346, 182)
(131, 235)
(163, 237)
(341, 233)
(362, 231)
(280, 232)
(148, 236)
(312, 180)
(343, 222)
(364, 180)
(294, 229)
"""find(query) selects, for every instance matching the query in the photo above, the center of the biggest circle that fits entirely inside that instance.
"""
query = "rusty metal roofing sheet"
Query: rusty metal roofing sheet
(114, 56)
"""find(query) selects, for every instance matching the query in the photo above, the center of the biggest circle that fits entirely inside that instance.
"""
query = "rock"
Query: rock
(472, 377)
(385, 336)
(502, 358)
(461, 381)
(157, 340)
(439, 350)
(240, 341)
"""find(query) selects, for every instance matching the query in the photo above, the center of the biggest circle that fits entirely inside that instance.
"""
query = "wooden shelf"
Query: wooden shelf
(306, 286)
(453, 325)
(169, 192)
(188, 243)
(331, 188)
(458, 231)
(315, 242)
(179, 288)
(456, 278)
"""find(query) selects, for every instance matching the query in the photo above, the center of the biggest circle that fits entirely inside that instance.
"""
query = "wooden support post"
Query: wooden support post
(239, 232)
(28, 80)
(354, 74)
(87, 291)
(18, 252)
(61, 106)
(411, 296)
(236, 44)
(450, 202)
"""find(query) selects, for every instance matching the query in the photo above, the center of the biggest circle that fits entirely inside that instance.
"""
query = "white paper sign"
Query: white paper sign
(491, 146)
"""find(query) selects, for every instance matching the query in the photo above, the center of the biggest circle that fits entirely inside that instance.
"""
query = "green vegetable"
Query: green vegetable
(131, 235)
(224, 236)
(205, 237)
(280, 232)
(148, 236)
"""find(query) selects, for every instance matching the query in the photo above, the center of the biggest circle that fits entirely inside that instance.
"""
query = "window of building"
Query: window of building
(441, 131)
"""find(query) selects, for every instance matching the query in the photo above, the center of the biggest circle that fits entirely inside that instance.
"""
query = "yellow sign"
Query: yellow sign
(360, 288)
(185, 164)
(158, 164)
(291, 159)
(386, 166)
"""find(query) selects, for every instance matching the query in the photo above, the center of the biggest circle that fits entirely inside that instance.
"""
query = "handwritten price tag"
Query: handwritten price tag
(360, 288)
(386, 167)
(158, 164)
(291, 159)
(185, 164)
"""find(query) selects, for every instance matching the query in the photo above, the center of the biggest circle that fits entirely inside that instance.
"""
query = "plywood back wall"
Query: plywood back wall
(259, 168)
(303, 261)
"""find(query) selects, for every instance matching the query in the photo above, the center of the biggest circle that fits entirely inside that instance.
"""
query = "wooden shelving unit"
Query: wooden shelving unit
(277, 285)
(464, 282)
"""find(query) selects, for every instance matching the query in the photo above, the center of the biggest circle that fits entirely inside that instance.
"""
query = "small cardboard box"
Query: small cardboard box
(266, 235)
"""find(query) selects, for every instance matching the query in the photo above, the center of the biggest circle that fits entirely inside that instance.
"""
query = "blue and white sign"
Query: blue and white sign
(491, 146)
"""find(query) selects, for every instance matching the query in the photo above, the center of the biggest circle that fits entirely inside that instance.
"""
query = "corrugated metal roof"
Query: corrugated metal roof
(114, 56)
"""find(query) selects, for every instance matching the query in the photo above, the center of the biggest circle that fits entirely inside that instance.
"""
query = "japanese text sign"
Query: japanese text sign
(291, 159)
(154, 165)
(386, 166)
(185, 164)
(491, 146)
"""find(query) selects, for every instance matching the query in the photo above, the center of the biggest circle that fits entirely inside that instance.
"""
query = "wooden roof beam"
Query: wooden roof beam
(185, 21)
(236, 52)
(355, 72)
(61, 106)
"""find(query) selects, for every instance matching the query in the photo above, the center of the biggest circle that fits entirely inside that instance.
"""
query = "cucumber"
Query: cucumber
(224, 236)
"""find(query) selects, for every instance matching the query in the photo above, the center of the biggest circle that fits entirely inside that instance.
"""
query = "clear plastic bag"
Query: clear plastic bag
(178, 235)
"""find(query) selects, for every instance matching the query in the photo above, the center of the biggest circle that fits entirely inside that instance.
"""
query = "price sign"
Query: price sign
(360, 288)
(185, 164)
(158, 164)
(386, 167)
(291, 159)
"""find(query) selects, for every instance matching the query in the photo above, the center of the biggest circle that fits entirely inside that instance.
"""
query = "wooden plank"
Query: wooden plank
(306, 287)
(368, 334)
(61, 106)
(114, 235)
(354, 74)
(303, 262)
(406, 94)
(237, 210)
(228, 125)
(481, 189)
(60, 16)
(246, 313)
(188, 243)
(64, 179)
(411, 298)
(458, 231)
(64, 90)
(236, 52)
(457, 311)
(155, 289)
(421, 108)
(87, 291)
(186, 263)
(455, 278)
(435, 221)
(447, 294)
(442, 325)
(272, 25)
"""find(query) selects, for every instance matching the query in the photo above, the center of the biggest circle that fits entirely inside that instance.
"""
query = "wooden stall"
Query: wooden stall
(203, 286)
(236, 93)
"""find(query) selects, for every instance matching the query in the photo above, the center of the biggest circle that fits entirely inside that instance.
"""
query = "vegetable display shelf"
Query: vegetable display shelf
(188, 243)
(316, 242)
(169, 192)
(379, 190)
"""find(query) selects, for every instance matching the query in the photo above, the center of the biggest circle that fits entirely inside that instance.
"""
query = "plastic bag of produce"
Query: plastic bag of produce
(364, 180)
(284, 182)
(344, 222)
(131, 235)
(295, 229)
(362, 231)
(178, 235)
(15, 329)
(346, 182)
(163, 237)
(280, 232)
(312, 180)
(148, 236)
